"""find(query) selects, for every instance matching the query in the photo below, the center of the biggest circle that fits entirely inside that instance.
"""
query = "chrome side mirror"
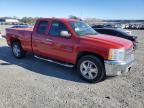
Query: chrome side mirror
(65, 34)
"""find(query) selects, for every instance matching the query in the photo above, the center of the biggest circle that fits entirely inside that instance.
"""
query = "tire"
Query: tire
(17, 50)
(89, 66)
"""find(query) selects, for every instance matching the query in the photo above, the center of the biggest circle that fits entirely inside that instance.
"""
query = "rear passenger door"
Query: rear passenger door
(41, 41)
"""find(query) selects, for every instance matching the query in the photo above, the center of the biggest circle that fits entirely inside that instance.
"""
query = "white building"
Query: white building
(9, 20)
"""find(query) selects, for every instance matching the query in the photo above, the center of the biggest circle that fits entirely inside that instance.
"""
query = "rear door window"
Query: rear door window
(42, 27)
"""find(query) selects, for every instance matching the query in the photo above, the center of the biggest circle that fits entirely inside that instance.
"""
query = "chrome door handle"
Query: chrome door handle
(49, 40)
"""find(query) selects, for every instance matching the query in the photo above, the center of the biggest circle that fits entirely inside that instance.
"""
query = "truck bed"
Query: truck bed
(17, 30)
(22, 34)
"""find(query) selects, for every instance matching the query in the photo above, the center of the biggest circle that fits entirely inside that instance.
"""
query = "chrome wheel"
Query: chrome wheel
(89, 69)
(16, 50)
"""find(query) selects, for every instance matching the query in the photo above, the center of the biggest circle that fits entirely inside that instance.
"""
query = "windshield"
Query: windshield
(82, 28)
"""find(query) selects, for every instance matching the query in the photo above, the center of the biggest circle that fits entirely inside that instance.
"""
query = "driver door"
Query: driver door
(63, 47)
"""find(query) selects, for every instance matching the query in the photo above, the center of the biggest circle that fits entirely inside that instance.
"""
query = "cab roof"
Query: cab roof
(60, 19)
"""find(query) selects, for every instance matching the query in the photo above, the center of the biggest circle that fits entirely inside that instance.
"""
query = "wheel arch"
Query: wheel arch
(99, 59)
(12, 40)
(84, 53)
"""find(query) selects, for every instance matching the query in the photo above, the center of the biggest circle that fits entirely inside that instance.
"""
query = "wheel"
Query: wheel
(17, 50)
(91, 69)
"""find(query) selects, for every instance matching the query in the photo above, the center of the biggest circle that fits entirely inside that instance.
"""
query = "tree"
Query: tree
(28, 20)
(74, 17)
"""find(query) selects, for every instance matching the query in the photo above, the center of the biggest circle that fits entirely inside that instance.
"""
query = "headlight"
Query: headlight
(116, 54)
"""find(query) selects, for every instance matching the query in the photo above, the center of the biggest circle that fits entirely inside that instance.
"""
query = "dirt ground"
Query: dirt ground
(32, 83)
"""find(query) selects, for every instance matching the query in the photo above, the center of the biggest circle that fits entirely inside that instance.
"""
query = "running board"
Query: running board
(56, 62)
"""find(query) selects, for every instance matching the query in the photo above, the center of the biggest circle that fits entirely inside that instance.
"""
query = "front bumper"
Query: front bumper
(114, 68)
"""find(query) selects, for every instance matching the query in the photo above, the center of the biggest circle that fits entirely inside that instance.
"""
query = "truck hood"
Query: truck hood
(108, 41)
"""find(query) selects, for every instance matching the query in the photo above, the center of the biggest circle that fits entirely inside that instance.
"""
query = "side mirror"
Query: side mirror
(65, 34)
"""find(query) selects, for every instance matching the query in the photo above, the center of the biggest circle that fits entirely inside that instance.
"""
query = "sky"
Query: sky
(101, 9)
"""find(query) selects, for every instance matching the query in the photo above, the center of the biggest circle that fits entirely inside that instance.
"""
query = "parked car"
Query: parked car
(119, 33)
(97, 26)
(124, 30)
(21, 26)
(142, 27)
(70, 42)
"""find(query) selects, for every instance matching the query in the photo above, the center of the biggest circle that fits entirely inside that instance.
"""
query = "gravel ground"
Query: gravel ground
(32, 83)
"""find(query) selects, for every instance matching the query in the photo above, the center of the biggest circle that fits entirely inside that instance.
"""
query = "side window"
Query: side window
(101, 31)
(56, 28)
(120, 34)
(114, 33)
(42, 26)
(109, 32)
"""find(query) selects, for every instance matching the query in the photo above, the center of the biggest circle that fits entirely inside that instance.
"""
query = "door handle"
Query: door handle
(49, 40)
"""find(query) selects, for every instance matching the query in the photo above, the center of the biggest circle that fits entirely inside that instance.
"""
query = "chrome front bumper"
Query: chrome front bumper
(114, 68)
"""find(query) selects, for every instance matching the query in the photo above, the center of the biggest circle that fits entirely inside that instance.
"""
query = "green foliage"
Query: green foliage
(28, 20)
(73, 17)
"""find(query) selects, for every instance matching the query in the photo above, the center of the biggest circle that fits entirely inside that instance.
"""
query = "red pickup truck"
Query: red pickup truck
(70, 43)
